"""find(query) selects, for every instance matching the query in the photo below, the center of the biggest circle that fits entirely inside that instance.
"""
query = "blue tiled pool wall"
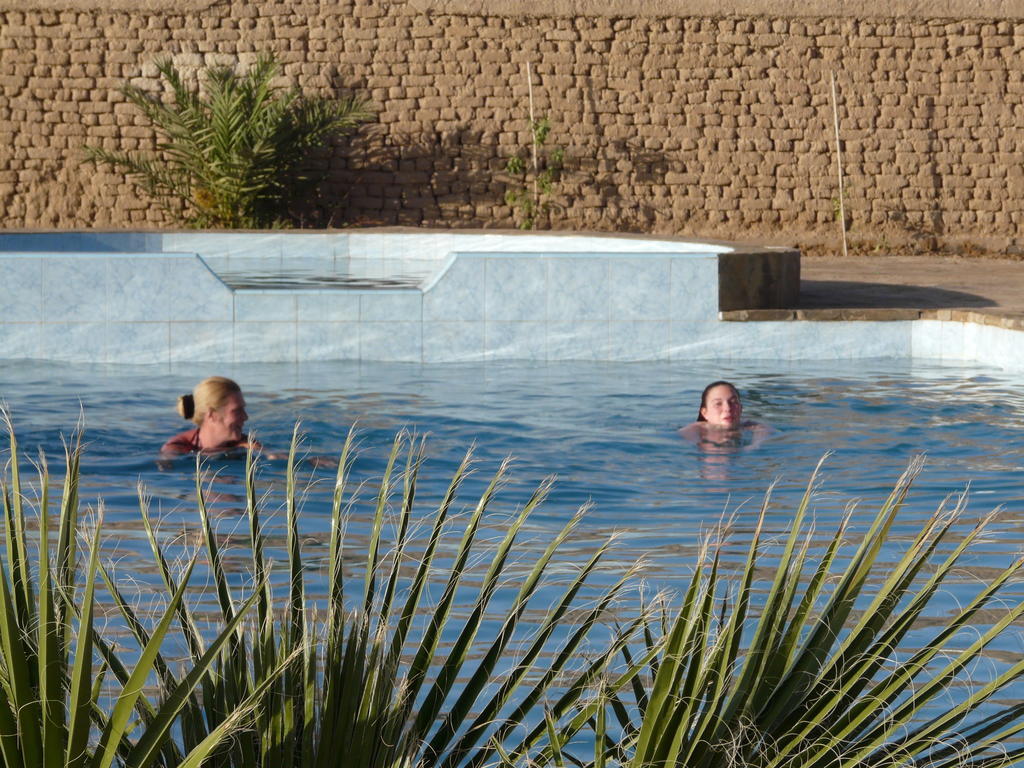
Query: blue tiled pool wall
(358, 254)
(156, 298)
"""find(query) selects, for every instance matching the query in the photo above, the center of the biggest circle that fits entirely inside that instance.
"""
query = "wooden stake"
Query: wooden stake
(839, 162)
(533, 136)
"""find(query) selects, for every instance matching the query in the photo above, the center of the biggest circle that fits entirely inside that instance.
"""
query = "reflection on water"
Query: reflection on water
(352, 273)
(717, 447)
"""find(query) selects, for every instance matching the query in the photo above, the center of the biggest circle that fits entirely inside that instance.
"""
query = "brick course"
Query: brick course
(677, 119)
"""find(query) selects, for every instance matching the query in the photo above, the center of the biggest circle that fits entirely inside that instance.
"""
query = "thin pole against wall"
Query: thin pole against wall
(533, 134)
(839, 162)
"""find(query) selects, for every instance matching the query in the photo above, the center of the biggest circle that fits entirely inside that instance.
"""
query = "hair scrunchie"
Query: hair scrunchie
(188, 406)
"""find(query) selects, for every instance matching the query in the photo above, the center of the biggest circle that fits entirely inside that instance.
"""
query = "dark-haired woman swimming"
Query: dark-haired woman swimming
(720, 421)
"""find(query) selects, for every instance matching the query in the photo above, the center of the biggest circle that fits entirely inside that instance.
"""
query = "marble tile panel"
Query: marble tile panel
(194, 293)
(515, 289)
(136, 288)
(138, 342)
(639, 289)
(265, 306)
(138, 242)
(793, 340)
(339, 244)
(364, 246)
(327, 341)
(694, 289)
(1009, 348)
(458, 294)
(515, 341)
(976, 343)
(395, 342)
(312, 247)
(21, 299)
(578, 289)
(437, 247)
(424, 271)
(737, 341)
(951, 340)
(925, 339)
(702, 341)
(75, 288)
(202, 341)
(578, 341)
(643, 340)
(265, 342)
(482, 243)
(856, 339)
(327, 306)
(990, 345)
(225, 243)
(217, 264)
(74, 342)
(196, 242)
(807, 341)
(21, 341)
(453, 342)
(390, 245)
(32, 242)
(391, 306)
(89, 242)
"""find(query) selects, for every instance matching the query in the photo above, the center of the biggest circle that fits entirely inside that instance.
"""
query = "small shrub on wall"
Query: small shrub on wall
(233, 149)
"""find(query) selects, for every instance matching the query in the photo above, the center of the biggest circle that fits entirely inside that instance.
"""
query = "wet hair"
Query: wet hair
(209, 395)
(704, 395)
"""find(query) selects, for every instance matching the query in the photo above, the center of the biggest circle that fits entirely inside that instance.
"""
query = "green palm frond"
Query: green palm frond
(51, 689)
(232, 151)
(815, 678)
(444, 646)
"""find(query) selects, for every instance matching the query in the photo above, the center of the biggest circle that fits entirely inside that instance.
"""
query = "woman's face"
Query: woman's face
(722, 407)
(229, 418)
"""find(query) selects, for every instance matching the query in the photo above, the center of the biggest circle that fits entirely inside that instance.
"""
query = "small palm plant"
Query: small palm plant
(821, 675)
(235, 152)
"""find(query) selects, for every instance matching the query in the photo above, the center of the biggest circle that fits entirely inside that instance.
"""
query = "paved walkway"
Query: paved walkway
(989, 286)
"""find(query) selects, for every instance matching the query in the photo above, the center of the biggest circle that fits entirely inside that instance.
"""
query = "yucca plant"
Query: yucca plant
(233, 149)
(56, 669)
(818, 676)
(402, 666)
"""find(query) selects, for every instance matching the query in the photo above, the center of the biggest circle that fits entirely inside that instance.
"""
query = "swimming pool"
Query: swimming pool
(606, 430)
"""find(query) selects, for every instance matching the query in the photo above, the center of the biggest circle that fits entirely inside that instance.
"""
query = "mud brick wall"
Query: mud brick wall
(676, 116)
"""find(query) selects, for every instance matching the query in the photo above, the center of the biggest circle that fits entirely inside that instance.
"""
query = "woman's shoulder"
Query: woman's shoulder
(691, 431)
(699, 431)
(183, 442)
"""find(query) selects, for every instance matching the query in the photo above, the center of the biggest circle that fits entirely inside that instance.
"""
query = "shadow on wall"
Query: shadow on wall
(384, 177)
(458, 177)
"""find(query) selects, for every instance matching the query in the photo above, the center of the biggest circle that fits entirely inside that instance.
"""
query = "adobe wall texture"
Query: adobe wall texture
(699, 117)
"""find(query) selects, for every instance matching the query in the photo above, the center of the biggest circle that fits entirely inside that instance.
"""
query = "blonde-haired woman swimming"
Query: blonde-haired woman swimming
(217, 408)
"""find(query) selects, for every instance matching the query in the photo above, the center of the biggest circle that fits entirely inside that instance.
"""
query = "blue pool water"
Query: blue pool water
(606, 430)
